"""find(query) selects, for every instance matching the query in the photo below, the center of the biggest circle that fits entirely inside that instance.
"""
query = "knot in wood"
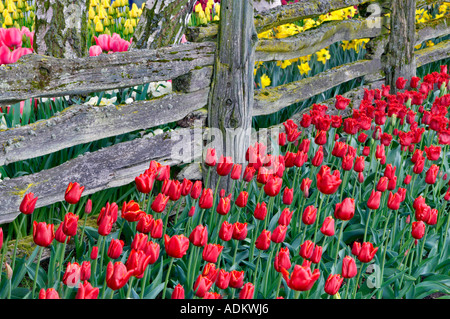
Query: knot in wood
(229, 102)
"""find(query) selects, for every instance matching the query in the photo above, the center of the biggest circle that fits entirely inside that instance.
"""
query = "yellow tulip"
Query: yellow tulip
(99, 27)
(265, 81)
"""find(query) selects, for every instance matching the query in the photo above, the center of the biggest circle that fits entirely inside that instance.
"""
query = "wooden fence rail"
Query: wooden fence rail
(190, 66)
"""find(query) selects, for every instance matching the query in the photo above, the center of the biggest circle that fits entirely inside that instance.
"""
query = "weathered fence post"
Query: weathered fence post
(231, 97)
(162, 23)
(62, 28)
(398, 58)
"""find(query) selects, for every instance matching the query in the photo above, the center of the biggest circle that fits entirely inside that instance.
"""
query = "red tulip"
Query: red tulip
(326, 182)
(139, 241)
(85, 271)
(28, 203)
(43, 234)
(226, 231)
(210, 272)
(382, 184)
(333, 283)
(374, 200)
(418, 229)
(407, 179)
(144, 183)
(60, 236)
(263, 240)
(307, 249)
(211, 252)
(239, 231)
(145, 224)
(249, 173)
(317, 254)
(202, 285)
(356, 248)
(224, 166)
(282, 260)
(211, 157)
(206, 200)
(433, 152)
(341, 102)
(241, 201)
(400, 83)
(156, 228)
(137, 262)
(115, 248)
(288, 196)
(106, 218)
(345, 210)
(173, 190)
(94, 253)
(321, 138)
(196, 190)
(279, 234)
(318, 157)
(236, 279)
(71, 276)
(367, 252)
(260, 211)
(223, 279)
(199, 236)
(301, 278)
(50, 293)
(186, 187)
(176, 246)
(394, 201)
(236, 171)
(273, 186)
(282, 139)
(328, 226)
(159, 203)
(431, 174)
(73, 193)
(117, 275)
(359, 164)
(349, 269)
(305, 185)
(247, 291)
(178, 292)
(86, 291)
(285, 217)
(309, 215)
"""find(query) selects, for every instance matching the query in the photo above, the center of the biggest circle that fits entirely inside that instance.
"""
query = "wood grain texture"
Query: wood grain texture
(273, 99)
(86, 123)
(113, 166)
(36, 75)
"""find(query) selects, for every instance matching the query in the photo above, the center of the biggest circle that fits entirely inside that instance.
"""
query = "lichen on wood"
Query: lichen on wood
(162, 23)
(61, 28)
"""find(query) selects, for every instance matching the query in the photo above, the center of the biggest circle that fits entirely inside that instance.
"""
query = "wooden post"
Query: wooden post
(398, 58)
(62, 28)
(162, 23)
(231, 97)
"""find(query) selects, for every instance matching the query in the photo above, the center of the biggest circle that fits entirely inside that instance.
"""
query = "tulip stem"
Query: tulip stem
(446, 232)
(111, 296)
(235, 252)
(357, 281)
(319, 211)
(347, 288)
(148, 271)
(256, 268)
(380, 291)
(280, 276)
(266, 275)
(166, 222)
(94, 266)
(19, 235)
(423, 245)
(130, 286)
(167, 278)
(338, 243)
(41, 249)
(367, 226)
(252, 247)
(61, 260)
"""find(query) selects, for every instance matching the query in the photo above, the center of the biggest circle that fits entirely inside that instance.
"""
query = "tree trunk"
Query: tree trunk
(398, 59)
(162, 23)
(230, 103)
(61, 28)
